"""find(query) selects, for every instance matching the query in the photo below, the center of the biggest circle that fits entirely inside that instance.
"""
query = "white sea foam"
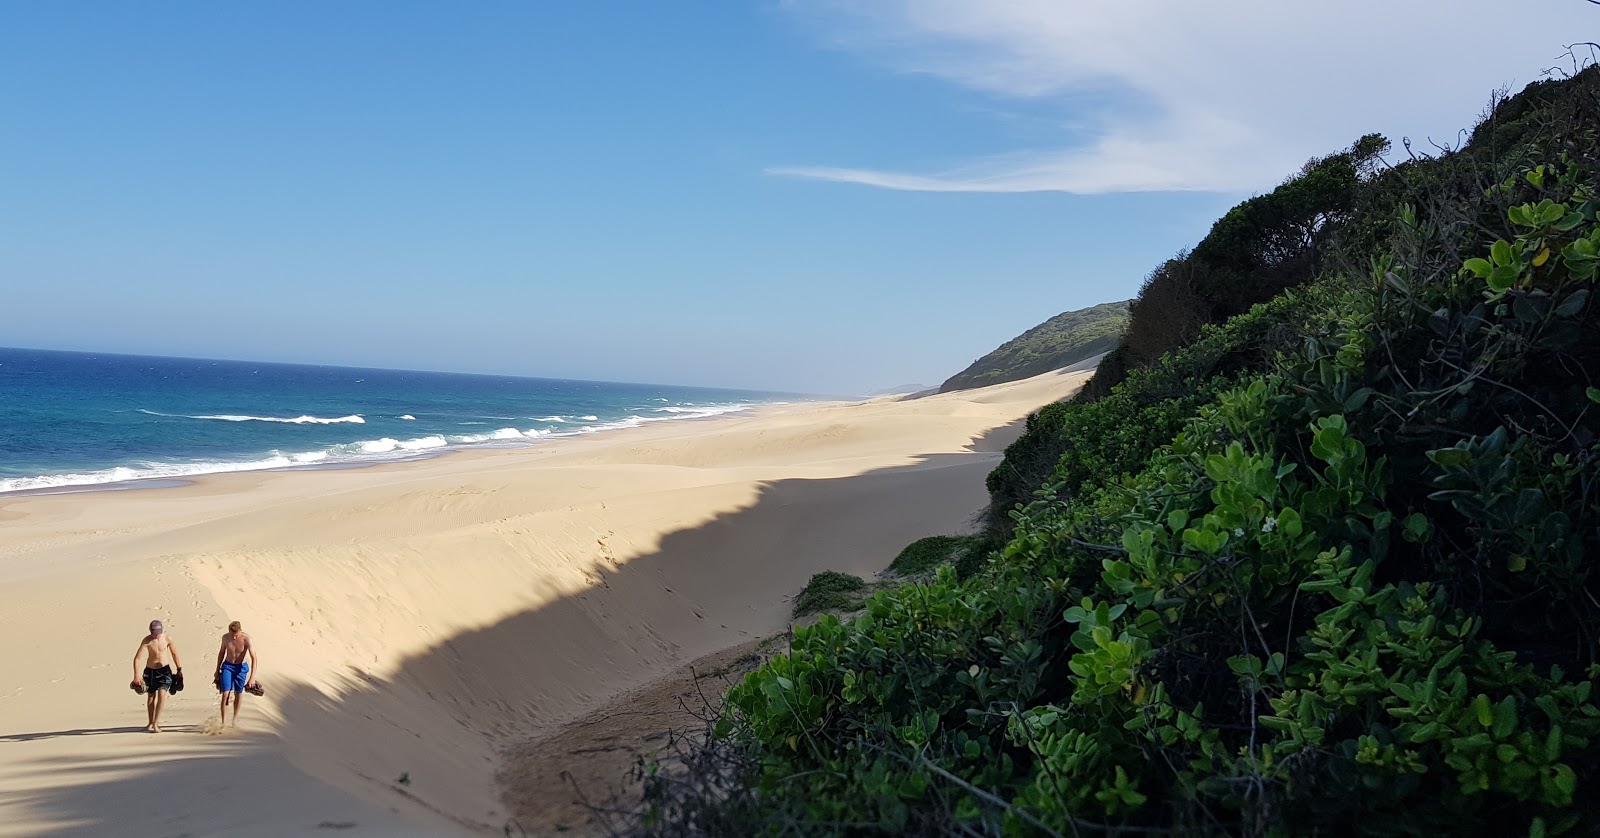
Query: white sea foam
(142, 471)
(389, 444)
(298, 420)
(359, 452)
(501, 435)
(627, 422)
(408, 417)
(353, 419)
(673, 413)
(698, 412)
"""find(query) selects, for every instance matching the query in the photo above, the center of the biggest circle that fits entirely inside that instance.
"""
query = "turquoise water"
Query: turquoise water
(79, 420)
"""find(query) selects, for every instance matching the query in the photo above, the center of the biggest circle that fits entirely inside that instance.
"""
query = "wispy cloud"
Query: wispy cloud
(1121, 160)
(1222, 96)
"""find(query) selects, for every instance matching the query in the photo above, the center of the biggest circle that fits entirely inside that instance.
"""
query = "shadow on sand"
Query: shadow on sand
(92, 731)
(706, 588)
(150, 790)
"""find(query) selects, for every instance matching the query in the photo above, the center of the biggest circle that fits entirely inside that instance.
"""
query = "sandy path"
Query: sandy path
(415, 620)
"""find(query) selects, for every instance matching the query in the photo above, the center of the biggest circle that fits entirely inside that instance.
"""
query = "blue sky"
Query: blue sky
(815, 196)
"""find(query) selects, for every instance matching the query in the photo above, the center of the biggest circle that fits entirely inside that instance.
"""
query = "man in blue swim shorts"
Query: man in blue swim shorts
(233, 674)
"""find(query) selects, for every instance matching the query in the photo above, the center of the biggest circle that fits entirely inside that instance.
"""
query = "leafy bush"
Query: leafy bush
(924, 555)
(1351, 591)
(1258, 249)
(1082, 442)
(830, 591)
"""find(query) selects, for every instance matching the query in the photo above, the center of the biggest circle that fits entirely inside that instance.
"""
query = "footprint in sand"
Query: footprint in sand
(212, 727)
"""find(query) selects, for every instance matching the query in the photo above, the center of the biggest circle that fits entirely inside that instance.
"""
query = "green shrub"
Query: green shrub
(1352, 591)
(1086, 441)
(830, 591)
(1258, 249)
(925, 554)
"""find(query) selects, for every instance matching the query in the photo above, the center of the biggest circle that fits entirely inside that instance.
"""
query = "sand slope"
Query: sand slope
(418, 619)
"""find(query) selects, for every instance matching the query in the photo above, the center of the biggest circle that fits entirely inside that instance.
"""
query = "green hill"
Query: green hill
(1323, 561)
(1061, 341)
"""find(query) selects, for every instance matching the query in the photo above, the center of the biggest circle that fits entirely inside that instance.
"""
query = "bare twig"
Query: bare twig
(1536, 403)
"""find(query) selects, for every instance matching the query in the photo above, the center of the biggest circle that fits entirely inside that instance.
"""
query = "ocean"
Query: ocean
(71, 421)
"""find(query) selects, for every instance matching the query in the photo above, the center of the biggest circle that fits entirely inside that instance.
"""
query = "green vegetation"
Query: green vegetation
(1059, 342)
(925, 555)
(1324, 566)
(830, 590)
(1258, 249)
(841, 592)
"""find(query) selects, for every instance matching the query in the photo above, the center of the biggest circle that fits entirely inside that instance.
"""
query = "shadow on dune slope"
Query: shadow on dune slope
(426, 738)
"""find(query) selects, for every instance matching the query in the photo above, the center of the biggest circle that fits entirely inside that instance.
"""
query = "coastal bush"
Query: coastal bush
(1264, 245)
(1061, 341)
(1340, 580)
(1081, 442)
(830, 590)
(926, 554)
(1517, 132)
(1330, 215)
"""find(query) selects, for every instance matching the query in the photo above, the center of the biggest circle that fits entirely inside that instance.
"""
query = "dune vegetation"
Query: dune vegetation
(1314, 554)
(1061, 341)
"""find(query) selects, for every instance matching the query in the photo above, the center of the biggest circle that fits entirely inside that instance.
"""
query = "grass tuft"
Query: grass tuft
(831, 590)
(927, 554)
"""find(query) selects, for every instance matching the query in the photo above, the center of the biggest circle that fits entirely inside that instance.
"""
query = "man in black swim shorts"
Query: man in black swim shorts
(160, 657)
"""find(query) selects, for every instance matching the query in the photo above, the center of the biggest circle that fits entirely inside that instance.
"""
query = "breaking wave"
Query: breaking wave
(359, 452)
(157, 471)
(353, 419)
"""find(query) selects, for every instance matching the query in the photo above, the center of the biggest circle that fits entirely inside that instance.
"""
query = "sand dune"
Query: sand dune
(416, 620)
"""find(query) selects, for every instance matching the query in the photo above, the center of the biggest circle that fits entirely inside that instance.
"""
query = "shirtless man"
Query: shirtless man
(233, 674)
(160, 656)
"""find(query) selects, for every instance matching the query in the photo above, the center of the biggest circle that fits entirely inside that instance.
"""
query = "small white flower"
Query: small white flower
(1238, 532)
(1270, 525)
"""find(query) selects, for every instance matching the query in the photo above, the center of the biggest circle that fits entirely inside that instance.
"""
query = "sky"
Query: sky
(809, 195)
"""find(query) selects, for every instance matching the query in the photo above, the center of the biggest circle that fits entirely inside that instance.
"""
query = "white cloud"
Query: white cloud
(1230, 95)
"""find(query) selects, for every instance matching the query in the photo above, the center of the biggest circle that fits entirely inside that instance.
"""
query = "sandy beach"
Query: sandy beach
(417, 620)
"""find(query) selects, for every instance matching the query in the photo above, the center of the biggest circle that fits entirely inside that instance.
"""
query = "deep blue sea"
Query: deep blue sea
(70, 419)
